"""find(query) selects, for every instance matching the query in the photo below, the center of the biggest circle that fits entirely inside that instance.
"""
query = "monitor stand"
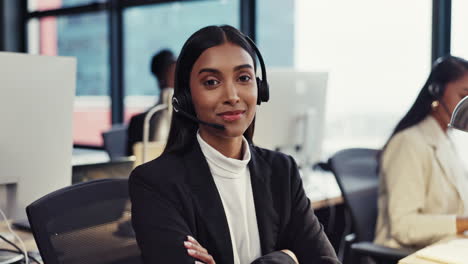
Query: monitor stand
(22, 224)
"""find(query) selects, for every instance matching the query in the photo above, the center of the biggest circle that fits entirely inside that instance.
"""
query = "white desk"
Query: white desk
(321, 188)
(452, 251)
(82, 156)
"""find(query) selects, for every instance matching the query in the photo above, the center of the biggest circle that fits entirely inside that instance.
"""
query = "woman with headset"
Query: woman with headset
(213, 196)
(423, 194)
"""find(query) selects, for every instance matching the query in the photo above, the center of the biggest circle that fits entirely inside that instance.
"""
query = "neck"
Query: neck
(229, 147)
(441, 120)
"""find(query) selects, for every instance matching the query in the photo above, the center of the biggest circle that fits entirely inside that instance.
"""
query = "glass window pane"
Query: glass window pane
(459, 41)
(148, 29)
(41, 5)
(377, 55)
(275, 33)
(377, 64)
(86, 38)
(459, 47)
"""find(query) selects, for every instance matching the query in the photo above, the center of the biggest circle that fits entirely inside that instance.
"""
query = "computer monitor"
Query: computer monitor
(36, 106)
(293, 120)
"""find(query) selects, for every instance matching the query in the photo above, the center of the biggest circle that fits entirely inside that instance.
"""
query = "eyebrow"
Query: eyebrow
(243, 66)
(211, 70)
(208, 70)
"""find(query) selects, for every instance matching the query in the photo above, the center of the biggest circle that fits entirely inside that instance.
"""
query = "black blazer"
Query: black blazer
(175, 195)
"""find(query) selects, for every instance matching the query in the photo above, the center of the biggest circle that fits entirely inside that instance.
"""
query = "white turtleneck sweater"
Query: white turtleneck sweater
(232, 179)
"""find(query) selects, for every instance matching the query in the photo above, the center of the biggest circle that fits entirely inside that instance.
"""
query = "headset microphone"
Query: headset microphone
(178, 110)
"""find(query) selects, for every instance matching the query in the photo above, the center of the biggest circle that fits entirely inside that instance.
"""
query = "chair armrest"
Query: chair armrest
(324, 166)
(350, 238)
(379, 252)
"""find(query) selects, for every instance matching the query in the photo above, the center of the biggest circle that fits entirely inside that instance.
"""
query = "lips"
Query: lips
(231, 116)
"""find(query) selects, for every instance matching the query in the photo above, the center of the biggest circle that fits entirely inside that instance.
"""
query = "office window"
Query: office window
(148, 29)
(377, 54)
(86, 38)
(459, 47)
(459, 40)
(41, 5)
(275, 31)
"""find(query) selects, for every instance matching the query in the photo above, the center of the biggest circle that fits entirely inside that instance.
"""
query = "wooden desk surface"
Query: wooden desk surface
(318, 204)
(27, 238)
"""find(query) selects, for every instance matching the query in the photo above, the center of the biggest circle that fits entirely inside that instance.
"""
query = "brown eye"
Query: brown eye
(244, 78)
(211, 82)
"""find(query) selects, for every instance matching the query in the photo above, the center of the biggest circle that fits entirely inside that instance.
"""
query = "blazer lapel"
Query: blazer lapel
(447, 161)
(441, 153)
(436, 138)
(209, 202)
(267, 217)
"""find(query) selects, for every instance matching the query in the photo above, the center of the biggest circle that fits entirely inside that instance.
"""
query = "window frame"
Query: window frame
(441, 33)
(115, 10)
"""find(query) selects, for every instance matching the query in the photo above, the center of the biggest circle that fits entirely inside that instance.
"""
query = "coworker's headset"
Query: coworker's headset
(263, 94)
(436, 89)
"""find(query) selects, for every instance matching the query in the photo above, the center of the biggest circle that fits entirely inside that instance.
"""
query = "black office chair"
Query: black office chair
(356, 171)
(115, 141)
(85, 223)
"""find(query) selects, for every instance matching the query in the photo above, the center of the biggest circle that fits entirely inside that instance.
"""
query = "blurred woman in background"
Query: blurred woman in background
(423, 194)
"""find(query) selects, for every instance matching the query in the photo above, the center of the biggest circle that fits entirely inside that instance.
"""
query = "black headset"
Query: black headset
(262, 84)
(436, 89)
(181, 101)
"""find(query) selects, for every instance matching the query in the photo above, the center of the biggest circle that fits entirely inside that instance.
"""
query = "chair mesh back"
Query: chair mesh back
(357, 175)
(85, 223)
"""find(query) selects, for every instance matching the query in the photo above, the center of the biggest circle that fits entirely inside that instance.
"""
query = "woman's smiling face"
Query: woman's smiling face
(224, 90)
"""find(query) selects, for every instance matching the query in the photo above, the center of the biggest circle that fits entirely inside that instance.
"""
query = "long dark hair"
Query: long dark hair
(183, 131)
(445, 70)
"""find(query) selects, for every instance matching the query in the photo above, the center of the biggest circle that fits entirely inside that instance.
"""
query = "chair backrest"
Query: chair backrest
(115, 141)
(356, 171)
(154, 149)
(85, 223)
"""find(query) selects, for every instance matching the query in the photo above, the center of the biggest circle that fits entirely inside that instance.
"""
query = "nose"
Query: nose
(231, 94)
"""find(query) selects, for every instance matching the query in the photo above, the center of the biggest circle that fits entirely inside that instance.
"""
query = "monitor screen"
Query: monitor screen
(36, 106)
(292, 121)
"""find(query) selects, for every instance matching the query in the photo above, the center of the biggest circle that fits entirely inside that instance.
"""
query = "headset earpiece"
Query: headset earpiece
(263, 91)
(435, 90)
(263, 94)
(181, 102)
(175, 104)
